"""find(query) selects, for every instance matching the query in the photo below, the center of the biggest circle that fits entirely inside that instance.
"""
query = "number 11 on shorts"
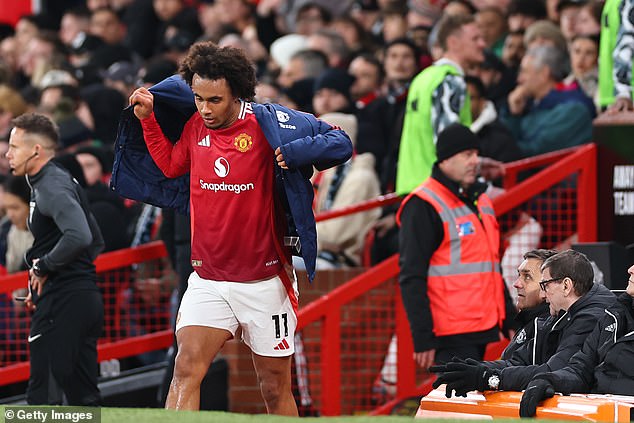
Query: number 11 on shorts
(283, 319)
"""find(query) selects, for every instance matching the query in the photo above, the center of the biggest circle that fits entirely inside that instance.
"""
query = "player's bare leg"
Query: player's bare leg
(197, 347)
(274, 376)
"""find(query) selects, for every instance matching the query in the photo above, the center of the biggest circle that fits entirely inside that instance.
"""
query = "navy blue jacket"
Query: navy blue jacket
(304, 141)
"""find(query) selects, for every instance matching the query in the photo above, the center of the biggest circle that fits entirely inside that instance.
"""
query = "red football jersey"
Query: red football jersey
(232, 199)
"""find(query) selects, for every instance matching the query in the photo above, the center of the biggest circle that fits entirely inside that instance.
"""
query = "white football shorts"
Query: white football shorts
(263, 309)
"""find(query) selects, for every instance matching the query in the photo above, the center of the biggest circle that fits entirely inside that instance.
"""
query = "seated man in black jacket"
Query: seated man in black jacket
(604, 364)
(530, 301)
(576, 304)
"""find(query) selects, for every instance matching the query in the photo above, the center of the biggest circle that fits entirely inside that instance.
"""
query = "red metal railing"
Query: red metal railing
(115, 344)
(380, 201)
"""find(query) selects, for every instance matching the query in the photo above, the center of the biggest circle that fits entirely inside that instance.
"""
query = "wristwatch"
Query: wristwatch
(37, 270)
(494, 382)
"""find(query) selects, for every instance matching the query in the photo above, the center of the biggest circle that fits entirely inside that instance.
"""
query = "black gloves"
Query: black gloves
(537, 390)
(463, 376)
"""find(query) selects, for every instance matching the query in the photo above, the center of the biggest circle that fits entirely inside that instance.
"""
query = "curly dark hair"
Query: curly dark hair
(212, 62)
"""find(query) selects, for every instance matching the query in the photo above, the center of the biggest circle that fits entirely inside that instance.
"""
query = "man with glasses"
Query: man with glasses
(603, 365)
(576, 304)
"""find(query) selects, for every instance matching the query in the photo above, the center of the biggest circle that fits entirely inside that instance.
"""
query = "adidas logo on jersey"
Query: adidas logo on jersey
(205, 141)
(282, 346)
(611, 328)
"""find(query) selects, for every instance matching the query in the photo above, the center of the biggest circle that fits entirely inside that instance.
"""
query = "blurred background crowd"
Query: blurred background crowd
(349, 62)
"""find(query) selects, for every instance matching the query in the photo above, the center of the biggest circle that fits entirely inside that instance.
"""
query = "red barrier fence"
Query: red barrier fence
(136, 284)
(346, 333)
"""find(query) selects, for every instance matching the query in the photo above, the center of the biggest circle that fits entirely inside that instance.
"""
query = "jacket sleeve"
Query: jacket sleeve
(172, 159)
(520, 357)
(326, 147)
(419, 236)
(578, 376)
(63, 206)
(516, 378)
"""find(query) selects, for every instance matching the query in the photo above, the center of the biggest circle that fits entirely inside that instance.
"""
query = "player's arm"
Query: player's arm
(325, 147)
(60, 202)
(172, 159)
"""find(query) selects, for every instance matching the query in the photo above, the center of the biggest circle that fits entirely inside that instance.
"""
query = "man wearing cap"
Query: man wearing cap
(437, 98)
(450, 277)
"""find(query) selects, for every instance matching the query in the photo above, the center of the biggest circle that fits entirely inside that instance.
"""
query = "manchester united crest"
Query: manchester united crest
(243, 142)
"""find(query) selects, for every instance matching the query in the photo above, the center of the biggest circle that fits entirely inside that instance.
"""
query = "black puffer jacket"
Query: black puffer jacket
(529, 321)
(557, 339)
(526, 319)
(604, 364)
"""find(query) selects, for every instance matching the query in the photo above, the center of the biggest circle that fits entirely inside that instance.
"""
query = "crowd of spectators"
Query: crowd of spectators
(535, 91)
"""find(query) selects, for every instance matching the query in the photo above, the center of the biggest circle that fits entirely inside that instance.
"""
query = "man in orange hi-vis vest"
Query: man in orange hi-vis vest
(450, 277)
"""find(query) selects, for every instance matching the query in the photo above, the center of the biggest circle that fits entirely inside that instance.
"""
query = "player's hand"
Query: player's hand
(280, 158)
(143, 102)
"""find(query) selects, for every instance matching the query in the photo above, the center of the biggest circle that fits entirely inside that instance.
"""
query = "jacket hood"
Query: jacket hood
(173, 105)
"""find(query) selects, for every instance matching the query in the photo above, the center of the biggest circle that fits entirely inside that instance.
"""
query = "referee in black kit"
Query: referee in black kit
(68, 309)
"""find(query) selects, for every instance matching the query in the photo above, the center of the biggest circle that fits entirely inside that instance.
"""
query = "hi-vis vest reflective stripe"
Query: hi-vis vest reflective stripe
(464, 284)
